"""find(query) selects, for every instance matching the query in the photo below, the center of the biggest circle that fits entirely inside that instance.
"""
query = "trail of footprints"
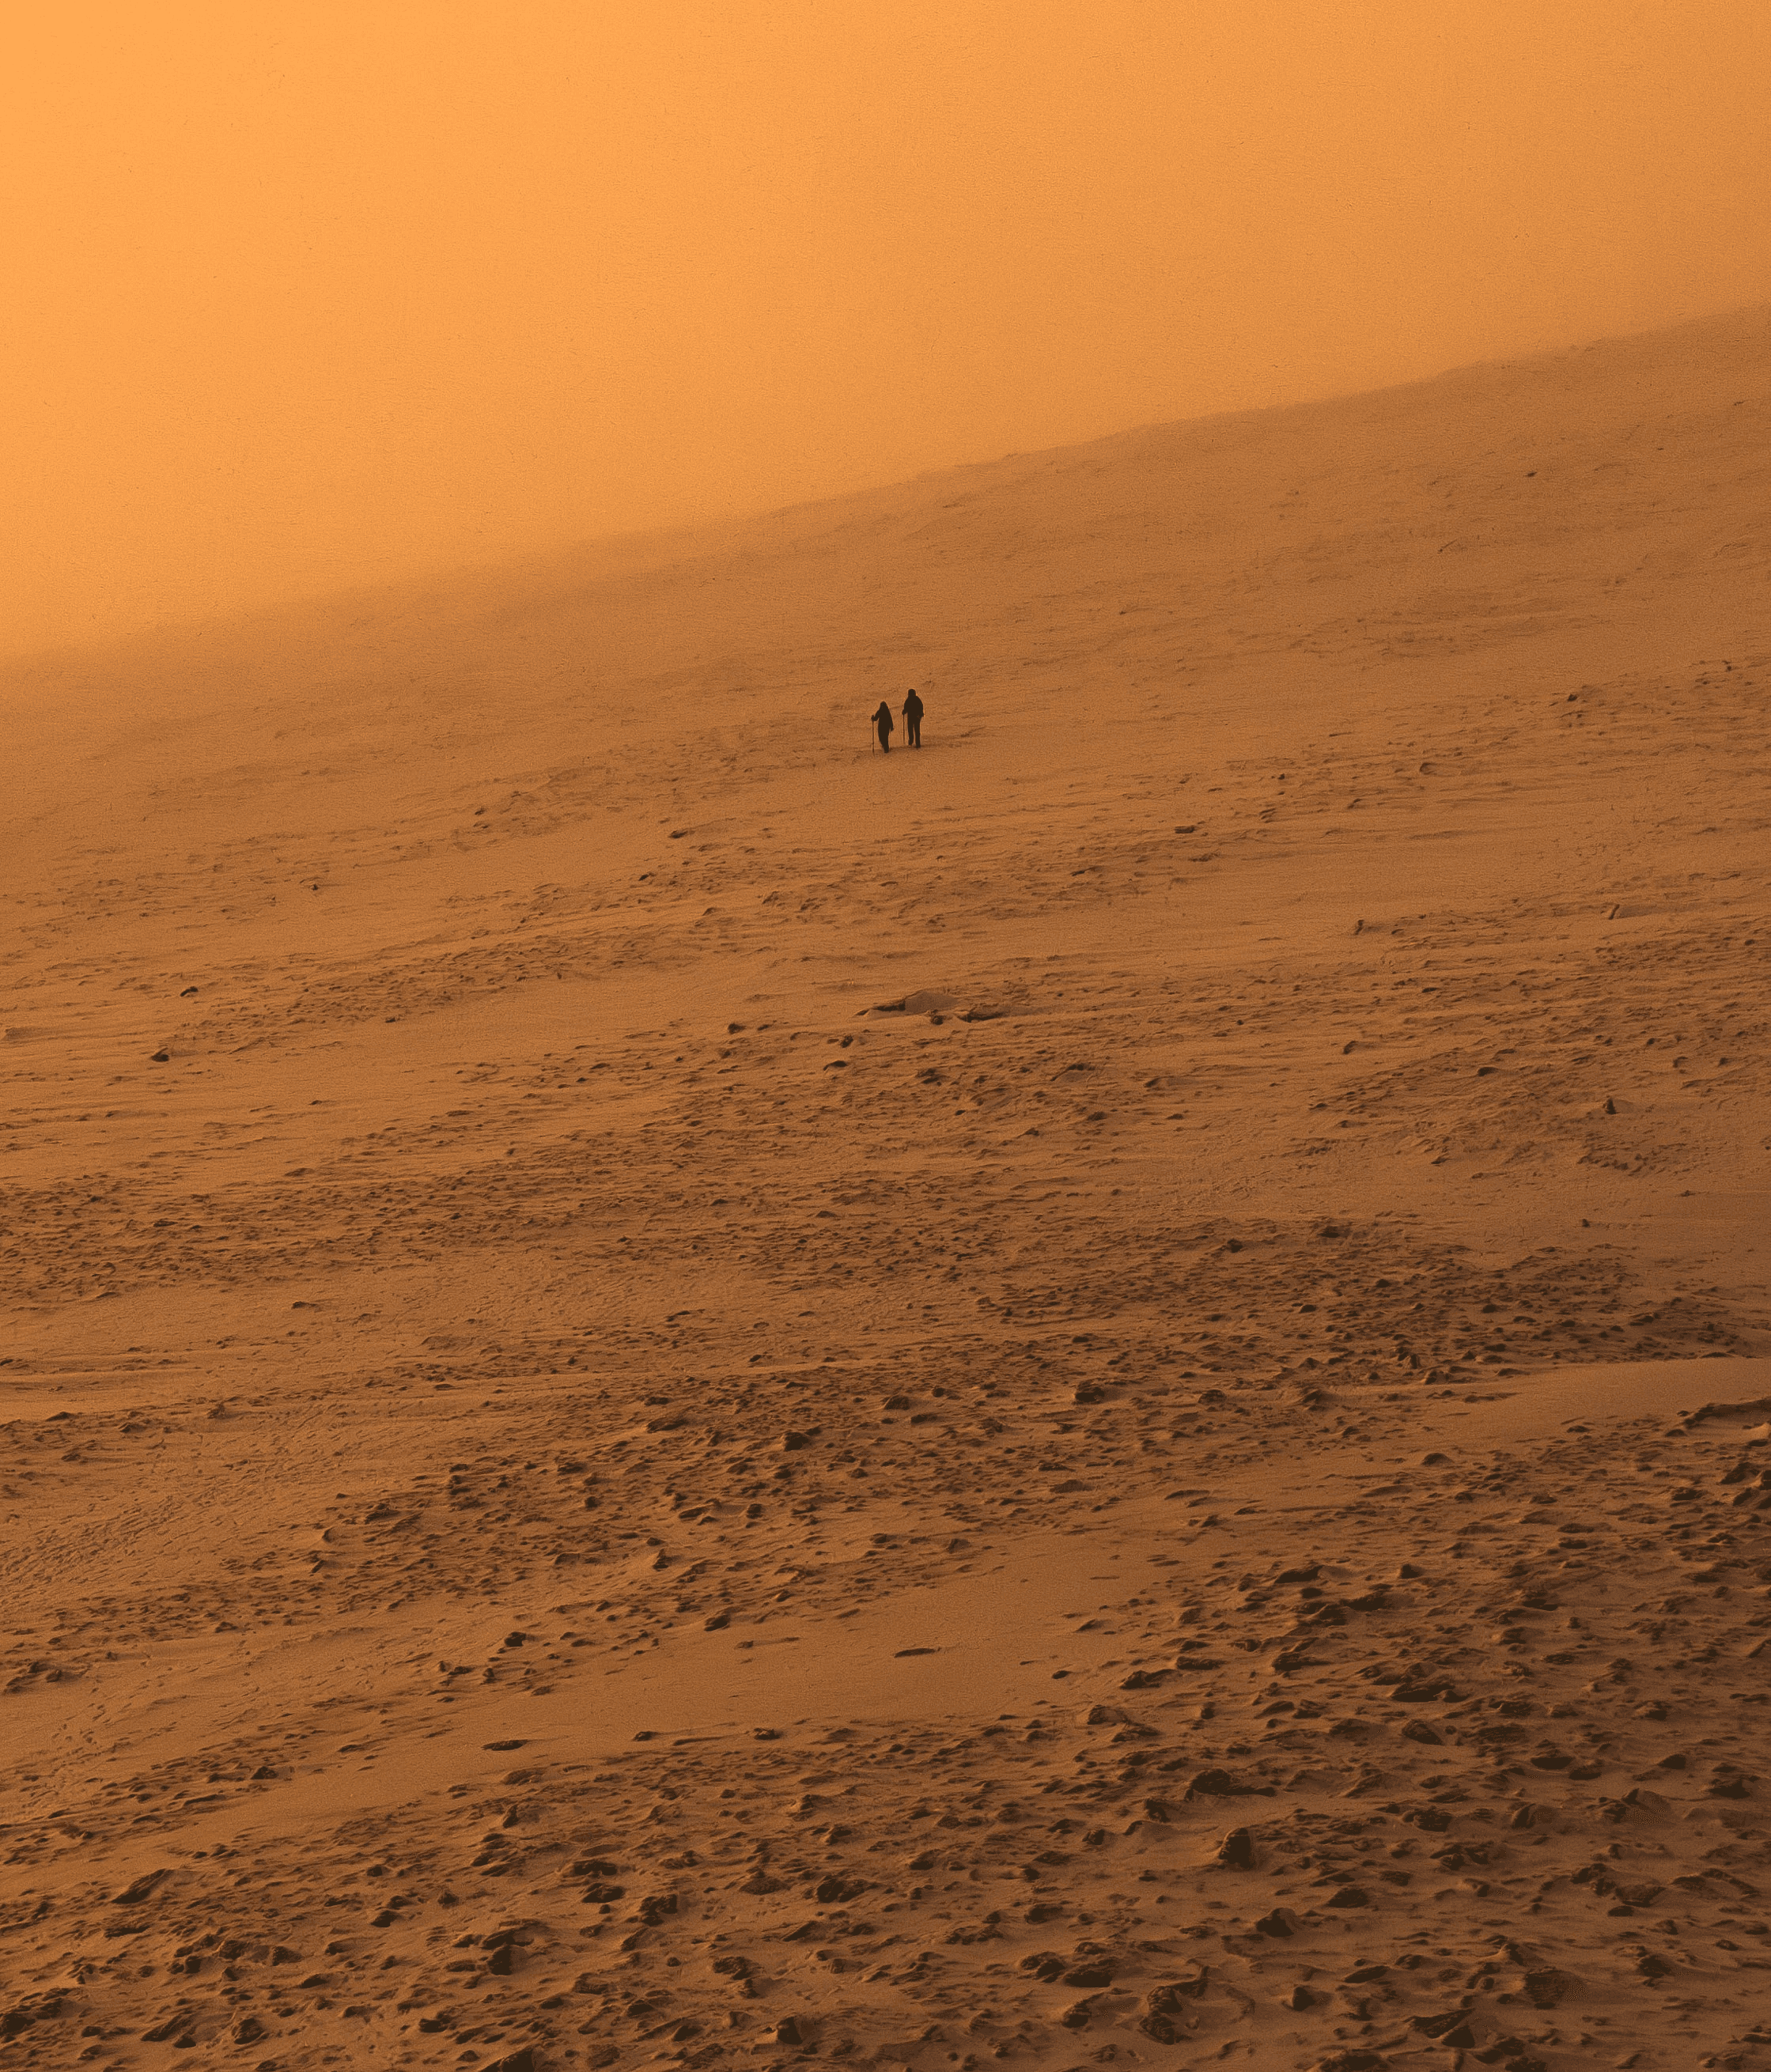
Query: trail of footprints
(1057, 1418)
(1503, 1793)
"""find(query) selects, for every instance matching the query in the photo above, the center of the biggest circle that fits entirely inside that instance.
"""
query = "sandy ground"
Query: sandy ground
(581, 1489)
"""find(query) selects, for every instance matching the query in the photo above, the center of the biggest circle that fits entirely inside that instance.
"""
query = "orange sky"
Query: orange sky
(298, 295)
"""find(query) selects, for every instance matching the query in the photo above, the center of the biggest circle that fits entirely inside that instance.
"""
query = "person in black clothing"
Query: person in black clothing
(882, 720)
(912, 718)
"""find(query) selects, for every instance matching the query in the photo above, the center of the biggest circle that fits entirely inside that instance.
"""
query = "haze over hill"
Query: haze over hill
(478, 1173)
(305, 297)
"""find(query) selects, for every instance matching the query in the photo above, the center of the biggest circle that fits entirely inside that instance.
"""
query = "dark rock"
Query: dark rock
(1095, 1978)
(1500, 1734)
(835, 1889)
(1430, 1819)
(1417, 1730)
(1547, 1988)
(46, 2006)
(1218, 1784)
(1281, 1922)
(1235, 1851)
(1168, 1999)
(132, 1895)
(1452, 2029)
(1350, 1895)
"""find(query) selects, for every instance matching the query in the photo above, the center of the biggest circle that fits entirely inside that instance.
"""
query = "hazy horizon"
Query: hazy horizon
(314, 302)
(240, 614)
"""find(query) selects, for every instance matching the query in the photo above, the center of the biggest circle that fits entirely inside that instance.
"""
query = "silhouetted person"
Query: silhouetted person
(882, 720)
(912, 718)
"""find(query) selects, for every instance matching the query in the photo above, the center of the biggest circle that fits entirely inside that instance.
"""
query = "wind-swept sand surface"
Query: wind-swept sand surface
(582, 1489)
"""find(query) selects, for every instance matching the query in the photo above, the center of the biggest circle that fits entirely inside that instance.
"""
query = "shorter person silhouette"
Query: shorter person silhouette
(912, 718)
(882, 720)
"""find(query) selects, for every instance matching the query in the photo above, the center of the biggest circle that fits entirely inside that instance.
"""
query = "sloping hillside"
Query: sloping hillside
(498, 1257)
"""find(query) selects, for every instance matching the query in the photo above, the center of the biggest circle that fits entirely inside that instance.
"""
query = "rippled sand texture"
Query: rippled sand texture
(582, 1489)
